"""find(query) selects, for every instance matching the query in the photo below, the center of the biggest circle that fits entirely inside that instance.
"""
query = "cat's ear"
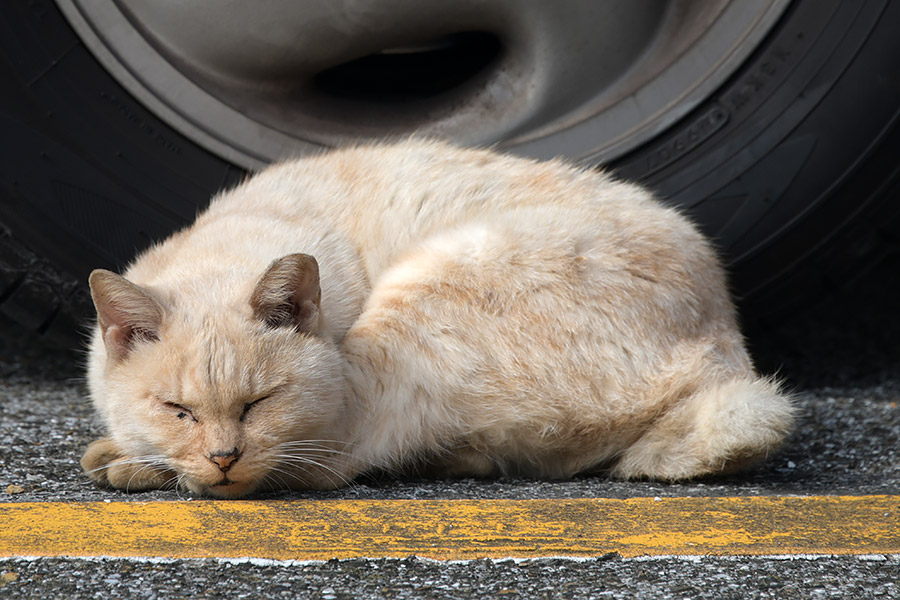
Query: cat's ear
(288, 294)
(125, 312)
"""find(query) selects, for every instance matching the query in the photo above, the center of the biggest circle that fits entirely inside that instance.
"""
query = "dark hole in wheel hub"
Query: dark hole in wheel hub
(414, 72)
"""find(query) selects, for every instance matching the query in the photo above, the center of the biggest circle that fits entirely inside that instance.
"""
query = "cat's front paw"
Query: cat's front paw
(107, 466)
(96, 459)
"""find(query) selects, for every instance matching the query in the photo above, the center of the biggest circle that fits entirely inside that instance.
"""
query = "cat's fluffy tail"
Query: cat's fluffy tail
(720, 429)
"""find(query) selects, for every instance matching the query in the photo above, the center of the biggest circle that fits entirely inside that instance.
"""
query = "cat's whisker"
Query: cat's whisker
(313, 444)
(281, 482)
(99, 469)
(172, 484)
(305, 460)
(278, 465)
(134, 460)
(322, 441)
(148, 464)
(331, 480)
(309, 448)
(318, 452)
(304, 447)
(179, 484)
(276, 474)
(302, 457)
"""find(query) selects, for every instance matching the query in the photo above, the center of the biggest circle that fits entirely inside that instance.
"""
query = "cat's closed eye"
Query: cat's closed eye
(250, 405)
(180, 411)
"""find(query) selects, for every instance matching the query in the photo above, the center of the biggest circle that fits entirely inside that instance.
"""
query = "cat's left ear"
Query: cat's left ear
(288, 294)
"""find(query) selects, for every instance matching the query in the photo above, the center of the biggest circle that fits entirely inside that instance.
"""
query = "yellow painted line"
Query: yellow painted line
(454, 529)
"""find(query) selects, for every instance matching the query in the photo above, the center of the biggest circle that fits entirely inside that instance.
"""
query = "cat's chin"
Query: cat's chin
(233, 489)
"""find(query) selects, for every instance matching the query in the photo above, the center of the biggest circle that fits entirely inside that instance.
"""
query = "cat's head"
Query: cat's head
(231, 396)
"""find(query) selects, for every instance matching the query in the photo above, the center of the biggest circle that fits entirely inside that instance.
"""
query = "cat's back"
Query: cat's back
(416, 177)
(385, 197)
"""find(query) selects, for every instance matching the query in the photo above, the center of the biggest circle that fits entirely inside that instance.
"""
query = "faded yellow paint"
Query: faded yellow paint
(454, 529)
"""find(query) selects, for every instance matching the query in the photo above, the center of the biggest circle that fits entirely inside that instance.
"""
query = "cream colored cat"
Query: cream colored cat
(417, 304)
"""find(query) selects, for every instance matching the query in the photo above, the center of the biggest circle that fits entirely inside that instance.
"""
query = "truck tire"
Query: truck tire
(791, 163)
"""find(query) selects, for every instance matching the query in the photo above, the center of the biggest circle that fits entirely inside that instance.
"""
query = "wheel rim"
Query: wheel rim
(256, 82)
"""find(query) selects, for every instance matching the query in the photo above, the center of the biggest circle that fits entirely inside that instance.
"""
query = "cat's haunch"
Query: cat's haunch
(416, 304)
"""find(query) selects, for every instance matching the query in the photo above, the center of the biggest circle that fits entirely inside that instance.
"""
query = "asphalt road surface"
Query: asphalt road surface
(841, 357)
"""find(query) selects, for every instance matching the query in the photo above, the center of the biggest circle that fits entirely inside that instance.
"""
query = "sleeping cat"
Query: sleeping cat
(416, 305)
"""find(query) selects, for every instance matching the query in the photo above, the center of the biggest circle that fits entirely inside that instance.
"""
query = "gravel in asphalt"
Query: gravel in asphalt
(857, 577)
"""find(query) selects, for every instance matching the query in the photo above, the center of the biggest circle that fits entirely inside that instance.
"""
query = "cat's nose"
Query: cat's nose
(226, 458)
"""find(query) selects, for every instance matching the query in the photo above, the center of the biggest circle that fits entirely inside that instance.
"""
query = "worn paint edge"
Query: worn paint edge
(272, 562)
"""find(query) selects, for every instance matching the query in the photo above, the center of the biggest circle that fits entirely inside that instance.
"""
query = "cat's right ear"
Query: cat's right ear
(125, 312)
